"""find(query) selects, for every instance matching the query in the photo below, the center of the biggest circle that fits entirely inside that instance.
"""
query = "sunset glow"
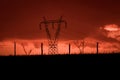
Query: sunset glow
(7, 47)
(86, 22)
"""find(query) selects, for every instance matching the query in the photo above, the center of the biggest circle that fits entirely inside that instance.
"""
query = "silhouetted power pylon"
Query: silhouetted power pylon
(53, 41)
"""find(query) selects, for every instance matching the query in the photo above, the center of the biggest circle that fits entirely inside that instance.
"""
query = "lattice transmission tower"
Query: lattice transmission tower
(53, 40)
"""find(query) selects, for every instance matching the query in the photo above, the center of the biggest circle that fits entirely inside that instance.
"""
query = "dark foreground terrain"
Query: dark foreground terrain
(62, 59)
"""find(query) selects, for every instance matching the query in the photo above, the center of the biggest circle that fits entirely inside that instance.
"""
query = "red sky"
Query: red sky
(19, 19)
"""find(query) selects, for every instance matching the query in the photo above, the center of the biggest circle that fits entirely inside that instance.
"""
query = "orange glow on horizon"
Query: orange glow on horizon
(90, 47)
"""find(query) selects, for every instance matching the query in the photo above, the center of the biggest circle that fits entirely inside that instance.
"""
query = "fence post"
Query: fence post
(97, 47)
(14, 48)
(41, 48)
(69, 48)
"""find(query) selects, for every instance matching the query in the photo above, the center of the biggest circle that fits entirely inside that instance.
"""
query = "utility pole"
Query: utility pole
(41, 48)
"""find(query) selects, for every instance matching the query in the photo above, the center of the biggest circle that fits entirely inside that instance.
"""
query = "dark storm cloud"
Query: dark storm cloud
(20, 18)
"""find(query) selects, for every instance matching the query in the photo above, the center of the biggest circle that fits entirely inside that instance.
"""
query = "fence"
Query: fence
(42, 49)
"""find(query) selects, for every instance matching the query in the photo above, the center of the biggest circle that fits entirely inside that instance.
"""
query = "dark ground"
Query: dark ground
(63, 59)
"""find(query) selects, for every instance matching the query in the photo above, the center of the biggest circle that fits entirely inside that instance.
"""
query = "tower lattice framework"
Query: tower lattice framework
(53, 41)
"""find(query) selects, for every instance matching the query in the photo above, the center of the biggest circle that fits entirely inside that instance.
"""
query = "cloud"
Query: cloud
(111, 28)
(112, 31)
(107, 33)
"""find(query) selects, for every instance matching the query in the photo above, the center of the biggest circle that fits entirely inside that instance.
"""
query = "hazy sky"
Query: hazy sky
(21, 18)
(89, 19)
